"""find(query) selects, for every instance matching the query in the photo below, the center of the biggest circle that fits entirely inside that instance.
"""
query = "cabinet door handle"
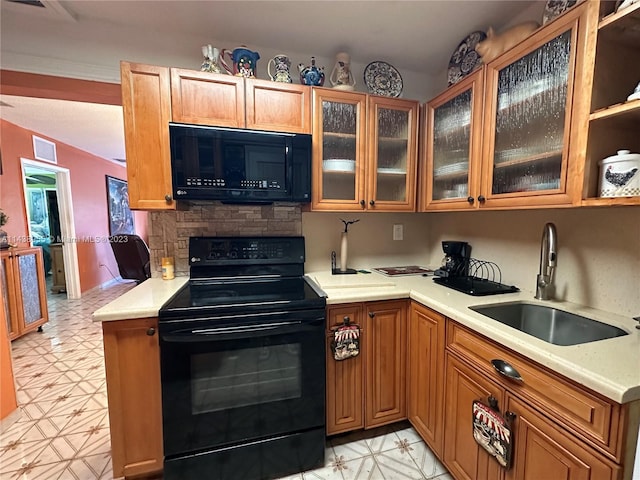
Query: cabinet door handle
(503, 368)
(151, 332)
(470, 200)
(372, 202)
(481, 198)
(362, 203)
(168, 198)
(372, 314)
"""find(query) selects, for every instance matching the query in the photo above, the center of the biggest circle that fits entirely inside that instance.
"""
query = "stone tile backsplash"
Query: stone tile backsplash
(169, 232)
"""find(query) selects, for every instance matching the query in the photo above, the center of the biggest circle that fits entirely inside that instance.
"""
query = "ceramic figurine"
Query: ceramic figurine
(210, 63)
(496, 43)
(244, 61)
(341, 76)
(311, 75)
(281, 64)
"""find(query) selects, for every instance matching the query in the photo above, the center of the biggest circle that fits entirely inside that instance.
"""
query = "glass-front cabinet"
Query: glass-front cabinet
(364, 152)
(528, 119)
(339, 150)
(392, 154)
(453, 146)
(23, 286)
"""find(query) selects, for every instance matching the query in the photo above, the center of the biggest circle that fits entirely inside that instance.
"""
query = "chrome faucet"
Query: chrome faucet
(548, 257)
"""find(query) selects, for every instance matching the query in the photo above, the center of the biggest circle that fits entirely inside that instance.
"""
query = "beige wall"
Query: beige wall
(598, 254)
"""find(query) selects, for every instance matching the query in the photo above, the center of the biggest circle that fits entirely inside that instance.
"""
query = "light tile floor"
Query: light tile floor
(62, 432)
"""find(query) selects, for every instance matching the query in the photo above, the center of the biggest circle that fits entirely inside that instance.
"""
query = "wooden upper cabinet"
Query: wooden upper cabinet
(529, 117)
(385, 362)
(146, 106)
(453, 146)
(364, 152)
(204, 98)
(392, 154)
(277, 106)
(339, 150)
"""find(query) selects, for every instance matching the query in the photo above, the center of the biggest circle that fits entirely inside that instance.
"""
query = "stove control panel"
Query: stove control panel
(242, 250)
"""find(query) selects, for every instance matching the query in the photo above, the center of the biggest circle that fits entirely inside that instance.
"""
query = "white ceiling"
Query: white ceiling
(88, 38)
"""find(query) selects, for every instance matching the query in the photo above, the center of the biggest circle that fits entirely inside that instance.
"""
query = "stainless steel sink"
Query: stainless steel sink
(548, 323)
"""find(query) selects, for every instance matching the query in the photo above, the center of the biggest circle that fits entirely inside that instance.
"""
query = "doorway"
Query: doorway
(49, 210)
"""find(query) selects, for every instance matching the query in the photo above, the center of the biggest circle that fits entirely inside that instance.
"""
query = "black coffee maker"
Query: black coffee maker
(456, 260)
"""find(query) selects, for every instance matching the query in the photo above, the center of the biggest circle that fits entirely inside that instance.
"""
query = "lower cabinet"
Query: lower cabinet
(465, 459)
(425, 387)
(543, 451)
(543, 447)
(132, 365)
(24, 290)
(370, 389)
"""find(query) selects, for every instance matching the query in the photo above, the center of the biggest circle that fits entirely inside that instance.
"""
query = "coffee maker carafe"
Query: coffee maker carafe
(456, 260)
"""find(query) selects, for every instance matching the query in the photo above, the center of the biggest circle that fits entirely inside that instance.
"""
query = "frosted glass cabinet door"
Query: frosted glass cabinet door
(32, 300)
(338, 149)
(453, 145)
(393, 145)
(532, 114)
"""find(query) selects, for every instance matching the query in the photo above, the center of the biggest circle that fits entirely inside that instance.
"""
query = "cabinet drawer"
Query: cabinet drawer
(588, 415)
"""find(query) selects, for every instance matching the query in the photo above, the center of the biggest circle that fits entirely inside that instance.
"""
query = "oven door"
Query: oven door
(232, 379)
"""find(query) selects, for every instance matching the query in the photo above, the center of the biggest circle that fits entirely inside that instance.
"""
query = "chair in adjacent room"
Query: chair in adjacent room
(132, 256)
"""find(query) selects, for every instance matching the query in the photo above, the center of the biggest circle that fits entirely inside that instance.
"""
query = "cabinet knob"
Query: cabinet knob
(481, 198)
(168, 198)
(493, 402)
(470, 200)
(372, 314)
(362, 203)
(151, 332)
(372, 202)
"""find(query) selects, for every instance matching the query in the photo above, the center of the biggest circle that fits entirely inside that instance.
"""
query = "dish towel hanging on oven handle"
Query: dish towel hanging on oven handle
(346, 342)
(492, 431)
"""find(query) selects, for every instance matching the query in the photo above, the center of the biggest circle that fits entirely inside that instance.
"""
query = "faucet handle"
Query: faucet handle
(637, 319)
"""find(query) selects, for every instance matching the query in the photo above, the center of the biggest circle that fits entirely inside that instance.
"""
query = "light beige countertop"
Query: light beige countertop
(610, 367)
(142, 301)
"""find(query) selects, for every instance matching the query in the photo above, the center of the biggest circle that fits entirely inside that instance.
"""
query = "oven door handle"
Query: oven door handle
(220, 333)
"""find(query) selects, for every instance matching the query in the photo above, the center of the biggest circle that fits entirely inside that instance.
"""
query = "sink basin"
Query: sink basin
(548, 323)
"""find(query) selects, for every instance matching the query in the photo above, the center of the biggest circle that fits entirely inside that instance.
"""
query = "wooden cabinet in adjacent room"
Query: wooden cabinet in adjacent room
(425, 389)
(24, 290)
(370, 389)
(132, 366)
(57, 268)
(146, 104)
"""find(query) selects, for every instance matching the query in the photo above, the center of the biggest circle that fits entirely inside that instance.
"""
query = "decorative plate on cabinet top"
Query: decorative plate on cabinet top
(465, 58)
(383, 79)
(553, 8)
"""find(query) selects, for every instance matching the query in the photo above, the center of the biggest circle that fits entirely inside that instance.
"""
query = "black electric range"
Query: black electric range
(242, 352)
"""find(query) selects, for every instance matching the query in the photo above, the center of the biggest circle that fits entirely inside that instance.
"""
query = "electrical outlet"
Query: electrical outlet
(398, 231)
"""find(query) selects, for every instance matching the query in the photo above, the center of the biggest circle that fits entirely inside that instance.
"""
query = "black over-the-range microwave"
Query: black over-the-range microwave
(239, 166)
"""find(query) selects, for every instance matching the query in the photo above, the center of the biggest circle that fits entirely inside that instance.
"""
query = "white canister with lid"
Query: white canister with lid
(620, 175)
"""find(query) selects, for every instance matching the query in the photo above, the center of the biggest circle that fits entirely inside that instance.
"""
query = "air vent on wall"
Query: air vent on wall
(44, 150)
